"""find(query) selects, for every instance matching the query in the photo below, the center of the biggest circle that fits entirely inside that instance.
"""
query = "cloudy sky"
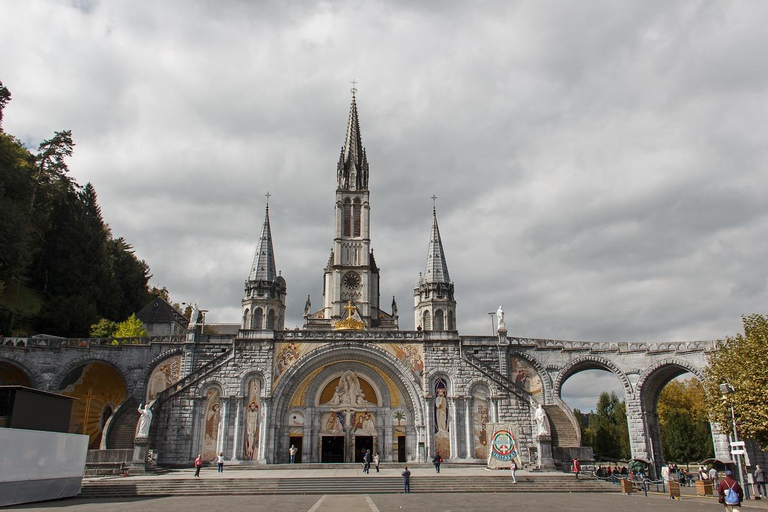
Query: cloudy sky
(598, 164)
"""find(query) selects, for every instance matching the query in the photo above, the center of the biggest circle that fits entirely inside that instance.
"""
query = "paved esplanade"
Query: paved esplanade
(399, 503)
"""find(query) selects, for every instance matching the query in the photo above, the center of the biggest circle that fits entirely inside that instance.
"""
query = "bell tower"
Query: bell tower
(351, 274)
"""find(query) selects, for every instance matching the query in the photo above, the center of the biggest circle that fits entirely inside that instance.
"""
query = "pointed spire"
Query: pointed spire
(263, 268)
(437, 268)
(353, 162)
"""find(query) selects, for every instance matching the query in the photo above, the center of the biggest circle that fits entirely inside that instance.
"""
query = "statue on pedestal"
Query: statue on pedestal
(542, 422)
(502, 326)
(145, 420)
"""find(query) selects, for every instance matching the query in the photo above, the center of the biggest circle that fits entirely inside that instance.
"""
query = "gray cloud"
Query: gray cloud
(599, 166)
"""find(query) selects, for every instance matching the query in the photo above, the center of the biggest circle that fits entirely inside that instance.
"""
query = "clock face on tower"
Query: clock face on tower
(351, 281)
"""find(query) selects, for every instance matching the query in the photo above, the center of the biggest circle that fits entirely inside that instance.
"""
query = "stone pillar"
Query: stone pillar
(238, 428)
(430, 426)
(639, 442)
(469, 425)
(265, 431)
(223, 427)
(139, 463)
(544, 446)
(454, 423)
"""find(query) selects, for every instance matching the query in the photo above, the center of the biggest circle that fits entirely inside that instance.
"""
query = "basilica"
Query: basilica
(350, 380)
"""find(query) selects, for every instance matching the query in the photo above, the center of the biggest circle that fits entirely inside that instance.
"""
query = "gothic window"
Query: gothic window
(271, 320)
(258, 319)
(246, 319)
(451, 322)
(439, 322)
(427, 321)
(356, 217)
(347, 228)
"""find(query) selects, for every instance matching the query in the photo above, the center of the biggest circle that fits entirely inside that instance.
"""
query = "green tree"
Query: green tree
(52, 168)
(740, 361)
(608, 433)
(684, 424)
(103, 329)
(131, 328)
(5, 97)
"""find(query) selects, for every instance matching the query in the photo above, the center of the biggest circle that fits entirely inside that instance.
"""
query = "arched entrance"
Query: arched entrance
(11, 374)
(99, 389)
(337, 402)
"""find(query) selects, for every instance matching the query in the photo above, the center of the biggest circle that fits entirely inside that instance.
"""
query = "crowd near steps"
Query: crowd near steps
(336, 481)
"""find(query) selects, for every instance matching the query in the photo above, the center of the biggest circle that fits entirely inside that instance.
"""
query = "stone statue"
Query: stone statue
(145, 421)
(348, 392)
(502, 326)
(194, 315)
(542, 422)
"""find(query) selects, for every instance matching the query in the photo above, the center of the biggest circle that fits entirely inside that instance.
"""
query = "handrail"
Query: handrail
(190, 379)
(498, 377)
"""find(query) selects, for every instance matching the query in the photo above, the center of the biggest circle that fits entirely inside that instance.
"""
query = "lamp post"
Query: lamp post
(493, 330)
(726, 389)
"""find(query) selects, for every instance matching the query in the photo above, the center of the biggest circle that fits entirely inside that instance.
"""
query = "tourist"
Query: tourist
(367, 462)
(437, 461)
(198, 465)
(292, 453)
(406, 480)
(726, 489)
(760, 481)
(713, 475)
(220, 462)
(376, 462)
(513, 468)
(576, 468)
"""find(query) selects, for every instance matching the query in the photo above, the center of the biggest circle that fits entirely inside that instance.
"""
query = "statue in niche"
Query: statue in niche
(542, 422)
(348, 392)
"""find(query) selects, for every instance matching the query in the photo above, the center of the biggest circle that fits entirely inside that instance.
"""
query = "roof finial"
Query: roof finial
(267, 195)
(353, 90)
(434, 203)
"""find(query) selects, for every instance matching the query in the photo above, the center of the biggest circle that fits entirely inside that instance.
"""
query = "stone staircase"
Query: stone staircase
(122, 428)
(192, 378)
(374, 484)
(563, 433)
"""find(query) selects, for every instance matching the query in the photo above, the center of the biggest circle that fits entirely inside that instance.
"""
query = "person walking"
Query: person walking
(220, 462)
(513, 468)
(367, 462)
(576, 468)
(406, 480)
(198, 465)
(292, 453)
(376, 462)
(760, 481)
(437, 461)
(730, 493)
(713, 476)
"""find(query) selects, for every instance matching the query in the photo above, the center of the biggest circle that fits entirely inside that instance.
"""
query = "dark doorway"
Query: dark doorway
(400, 448)
(363, 443)
(296, 441)
(332, 449)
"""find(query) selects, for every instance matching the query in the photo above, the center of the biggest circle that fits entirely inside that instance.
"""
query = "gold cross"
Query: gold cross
(90, 396)
(350, 309)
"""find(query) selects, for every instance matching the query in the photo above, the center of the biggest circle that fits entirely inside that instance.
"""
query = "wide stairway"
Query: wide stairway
(563, 433)
(211, 485)
(123, 429)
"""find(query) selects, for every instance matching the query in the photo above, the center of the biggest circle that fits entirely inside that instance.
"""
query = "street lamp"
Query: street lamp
(726, 389)
(493, 330)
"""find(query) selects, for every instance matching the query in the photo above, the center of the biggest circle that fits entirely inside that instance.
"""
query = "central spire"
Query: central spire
(437, 268)
(352, 170)
(264, 268)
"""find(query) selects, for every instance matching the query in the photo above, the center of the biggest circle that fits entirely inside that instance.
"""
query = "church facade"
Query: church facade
(350, 380)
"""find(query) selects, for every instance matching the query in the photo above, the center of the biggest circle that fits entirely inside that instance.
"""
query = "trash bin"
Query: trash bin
(626, 486)
(674, 489)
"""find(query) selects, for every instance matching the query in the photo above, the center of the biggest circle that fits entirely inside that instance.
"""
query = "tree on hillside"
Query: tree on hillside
(5, 97)
(740, 362)
(131, 328)
(608, 433)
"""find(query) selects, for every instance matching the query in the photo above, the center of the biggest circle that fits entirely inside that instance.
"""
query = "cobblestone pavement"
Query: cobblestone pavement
(592, 502)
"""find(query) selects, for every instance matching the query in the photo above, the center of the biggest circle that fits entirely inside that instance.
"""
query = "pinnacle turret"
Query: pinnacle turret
(264, 268)
(352, 169)
(437, 268)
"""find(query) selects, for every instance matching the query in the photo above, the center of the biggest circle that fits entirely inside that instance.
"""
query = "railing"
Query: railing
(191, 378)
(57, 343)
(498, 377)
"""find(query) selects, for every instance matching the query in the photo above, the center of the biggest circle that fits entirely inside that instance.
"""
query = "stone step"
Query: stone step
(191, 486)
(123, 429)
(563, 432)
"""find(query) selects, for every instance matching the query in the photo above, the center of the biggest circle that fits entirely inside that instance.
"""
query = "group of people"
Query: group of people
(608, 471)
(368, 460)
(199, 464)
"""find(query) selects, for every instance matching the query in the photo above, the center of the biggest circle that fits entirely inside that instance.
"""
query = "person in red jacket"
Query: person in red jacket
(198, 465)
(576, 468)
(726, 488)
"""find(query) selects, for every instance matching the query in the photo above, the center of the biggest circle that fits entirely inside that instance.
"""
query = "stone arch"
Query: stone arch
(439, 320)
(330, 373)
(246, 318)
(130, 385)
(649, 387)
(590, 362)
(246, 377)
(426, 321)
(257, 320)
(35, 377)
(541, 370)
(271, 320)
